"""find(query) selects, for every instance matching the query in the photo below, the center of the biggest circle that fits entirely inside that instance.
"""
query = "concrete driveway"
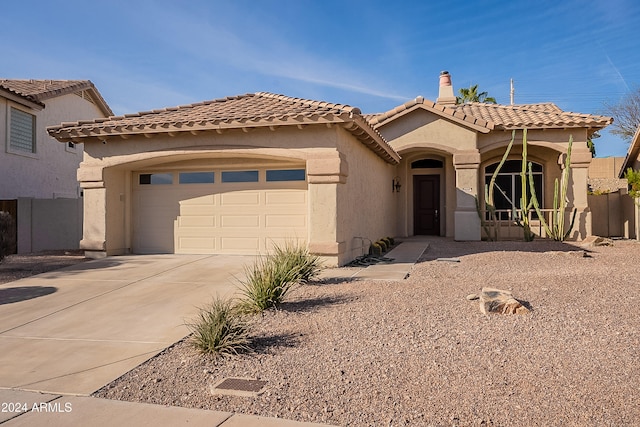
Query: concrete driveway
(74, 330)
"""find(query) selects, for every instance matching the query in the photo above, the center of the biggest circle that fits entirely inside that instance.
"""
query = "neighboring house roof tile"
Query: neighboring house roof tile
(485, 117)
(41, 90)
(260, 109)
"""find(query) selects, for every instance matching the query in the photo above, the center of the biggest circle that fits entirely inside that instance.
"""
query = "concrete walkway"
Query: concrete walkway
(404, 256)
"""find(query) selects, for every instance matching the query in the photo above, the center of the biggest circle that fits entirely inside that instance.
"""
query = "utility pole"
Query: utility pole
(513, 91)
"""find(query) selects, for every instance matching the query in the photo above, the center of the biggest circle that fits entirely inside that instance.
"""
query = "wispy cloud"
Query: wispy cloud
(617, 71)
(260, 50)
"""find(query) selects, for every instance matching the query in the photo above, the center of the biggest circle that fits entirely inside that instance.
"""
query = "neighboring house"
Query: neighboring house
(632, 160)
(38, 182)
(612, 210)
(234, 175)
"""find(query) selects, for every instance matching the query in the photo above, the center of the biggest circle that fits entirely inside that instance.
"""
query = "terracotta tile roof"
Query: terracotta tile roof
(532, 116)
(484, 117)
(41, 90)
(255, 110)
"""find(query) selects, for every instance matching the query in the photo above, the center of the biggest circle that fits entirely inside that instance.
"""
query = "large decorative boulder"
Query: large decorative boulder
(500, 302)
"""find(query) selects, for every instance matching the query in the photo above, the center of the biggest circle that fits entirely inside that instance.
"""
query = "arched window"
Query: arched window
(427, 163)
(508, 186)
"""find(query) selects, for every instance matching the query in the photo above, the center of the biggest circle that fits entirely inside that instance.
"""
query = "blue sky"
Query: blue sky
(371, 54)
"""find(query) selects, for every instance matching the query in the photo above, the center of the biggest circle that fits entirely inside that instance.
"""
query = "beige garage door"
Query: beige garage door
(209, 212)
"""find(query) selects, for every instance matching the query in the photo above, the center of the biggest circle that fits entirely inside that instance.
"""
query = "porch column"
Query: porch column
(466, 220)
(94, 220)
(324, 176)
(580, 161)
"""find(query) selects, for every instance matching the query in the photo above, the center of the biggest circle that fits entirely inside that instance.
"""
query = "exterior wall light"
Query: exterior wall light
(395, 185)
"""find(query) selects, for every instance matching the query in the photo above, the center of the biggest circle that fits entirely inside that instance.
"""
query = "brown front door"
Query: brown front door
(426, 204)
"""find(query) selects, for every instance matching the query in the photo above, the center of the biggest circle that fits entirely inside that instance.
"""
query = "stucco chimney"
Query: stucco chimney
(445, 94)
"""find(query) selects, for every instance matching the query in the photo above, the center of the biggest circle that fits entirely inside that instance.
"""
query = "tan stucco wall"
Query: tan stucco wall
(420, 135)
(339, 170)
(420, 128)
(50, 172)
(366, 203)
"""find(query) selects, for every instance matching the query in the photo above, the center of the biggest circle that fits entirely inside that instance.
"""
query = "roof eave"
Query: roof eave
(81, 85)
(24, 100)
(354, 123)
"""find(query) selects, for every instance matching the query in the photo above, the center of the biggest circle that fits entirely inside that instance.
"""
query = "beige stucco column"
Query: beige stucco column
(324, 176)
(94, 234)
(466, 221)
(94, 225)
(580, 161)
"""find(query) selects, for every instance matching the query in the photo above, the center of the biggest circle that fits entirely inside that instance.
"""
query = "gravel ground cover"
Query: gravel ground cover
(15, 267)
(417, 352)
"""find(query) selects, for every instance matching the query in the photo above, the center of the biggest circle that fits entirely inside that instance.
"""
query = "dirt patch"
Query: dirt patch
(15, 267)
(417, 352)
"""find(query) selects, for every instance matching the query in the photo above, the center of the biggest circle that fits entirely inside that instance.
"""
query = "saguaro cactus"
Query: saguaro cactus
(525, 202)
(556, 230)
(488, 196)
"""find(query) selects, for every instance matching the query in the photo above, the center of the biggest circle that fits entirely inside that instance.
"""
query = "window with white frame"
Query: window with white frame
(22, 131)
(507, 190)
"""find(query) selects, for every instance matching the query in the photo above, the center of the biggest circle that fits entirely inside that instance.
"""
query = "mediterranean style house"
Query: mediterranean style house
(38, 183)
(234, 175)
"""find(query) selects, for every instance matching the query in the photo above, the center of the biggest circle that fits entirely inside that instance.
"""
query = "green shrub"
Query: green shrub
(383, 245)
(297, 258)
(633, 179)
(391, 241)
(7, 234)
(220, 329)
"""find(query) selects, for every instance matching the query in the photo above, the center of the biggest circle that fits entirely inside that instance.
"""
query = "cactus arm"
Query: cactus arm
(536, 205)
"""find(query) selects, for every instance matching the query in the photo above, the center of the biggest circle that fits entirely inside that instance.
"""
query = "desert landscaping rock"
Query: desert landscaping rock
(500, 302)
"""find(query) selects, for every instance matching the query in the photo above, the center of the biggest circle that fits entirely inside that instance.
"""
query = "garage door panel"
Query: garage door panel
(240, 198)
(197, 221)
(231, 221)
(198, 245)
(207, 200)
(294, 197)
(285, 221)
(248, 244)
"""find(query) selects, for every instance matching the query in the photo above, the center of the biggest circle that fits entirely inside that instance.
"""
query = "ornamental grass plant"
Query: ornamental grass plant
(220, 329)
(271, 277)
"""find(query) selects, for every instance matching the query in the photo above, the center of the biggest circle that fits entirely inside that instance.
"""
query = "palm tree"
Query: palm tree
(472, 95)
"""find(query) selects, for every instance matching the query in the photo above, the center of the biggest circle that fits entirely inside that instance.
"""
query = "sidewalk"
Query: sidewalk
(50, 410)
